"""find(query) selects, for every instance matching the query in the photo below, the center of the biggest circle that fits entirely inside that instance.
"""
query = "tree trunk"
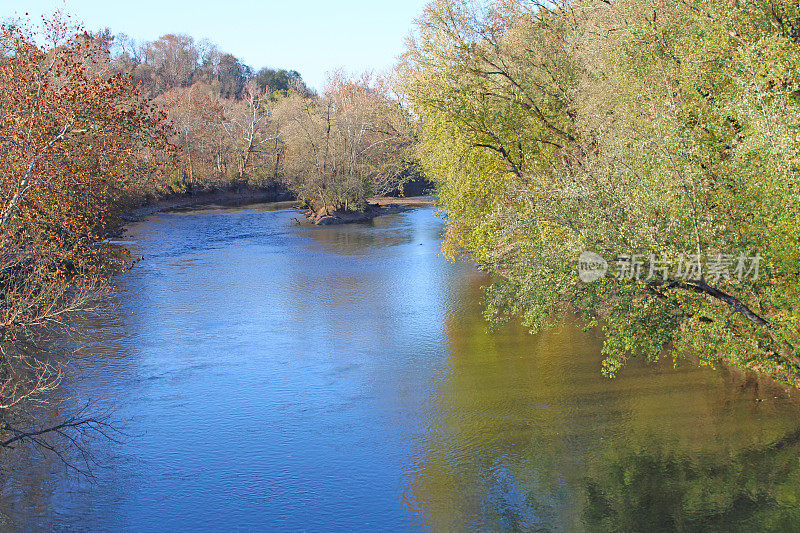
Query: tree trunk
(8, 212)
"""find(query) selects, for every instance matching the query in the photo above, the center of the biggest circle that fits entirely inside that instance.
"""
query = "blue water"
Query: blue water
(270, 376)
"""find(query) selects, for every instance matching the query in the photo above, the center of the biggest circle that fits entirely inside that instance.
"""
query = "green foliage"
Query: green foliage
(280, 81)
(654, 128)
(658, 490)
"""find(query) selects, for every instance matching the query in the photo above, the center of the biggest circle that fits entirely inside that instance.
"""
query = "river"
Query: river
(270, 376)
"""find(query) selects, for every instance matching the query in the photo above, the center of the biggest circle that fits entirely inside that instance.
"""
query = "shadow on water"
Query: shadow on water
(342, 378)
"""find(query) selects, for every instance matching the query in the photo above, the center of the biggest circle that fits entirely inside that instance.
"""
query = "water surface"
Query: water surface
(272, 376)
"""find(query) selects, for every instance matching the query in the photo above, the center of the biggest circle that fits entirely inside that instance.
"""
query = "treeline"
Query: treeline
(174, 61)
(235, 126)
(655, 139)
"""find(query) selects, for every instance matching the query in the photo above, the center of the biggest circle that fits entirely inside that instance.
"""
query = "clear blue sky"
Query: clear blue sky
(310, 36)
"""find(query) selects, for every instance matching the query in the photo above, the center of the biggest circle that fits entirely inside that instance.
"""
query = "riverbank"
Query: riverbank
(227, 197)
(376, 206)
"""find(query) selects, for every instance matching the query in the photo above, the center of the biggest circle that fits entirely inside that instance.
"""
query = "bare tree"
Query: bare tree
(249, 123)
(352, 142)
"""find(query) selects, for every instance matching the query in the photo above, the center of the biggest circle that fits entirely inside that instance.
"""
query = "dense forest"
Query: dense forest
(659, 135)
(236, 126)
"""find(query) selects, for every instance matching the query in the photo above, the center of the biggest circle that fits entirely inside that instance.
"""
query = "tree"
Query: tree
(249, 124)
(348, 144)
(232, 76)
(197, 118)
(691, 161)
(174, 60)
(71, 132)
(271, 81)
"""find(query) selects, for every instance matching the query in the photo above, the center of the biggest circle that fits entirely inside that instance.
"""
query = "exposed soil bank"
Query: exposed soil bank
(234, 196)
(376, 206)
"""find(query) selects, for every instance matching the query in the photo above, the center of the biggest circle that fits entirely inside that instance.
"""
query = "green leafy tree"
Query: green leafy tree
(656, 134)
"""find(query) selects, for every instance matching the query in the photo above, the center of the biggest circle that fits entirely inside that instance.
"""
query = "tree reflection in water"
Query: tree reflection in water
(531, 437)
(659, 489)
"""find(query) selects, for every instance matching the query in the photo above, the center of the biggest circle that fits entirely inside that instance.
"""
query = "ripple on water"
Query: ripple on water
(271, 376)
